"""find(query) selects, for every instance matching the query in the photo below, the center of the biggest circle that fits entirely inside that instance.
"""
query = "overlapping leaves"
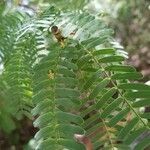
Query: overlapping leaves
(107, 101)
(82, 88)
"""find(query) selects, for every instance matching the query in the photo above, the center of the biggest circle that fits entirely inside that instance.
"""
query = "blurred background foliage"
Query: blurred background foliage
(128, 18)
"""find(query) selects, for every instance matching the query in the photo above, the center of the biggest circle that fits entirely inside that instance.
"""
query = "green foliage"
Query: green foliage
(81, 88)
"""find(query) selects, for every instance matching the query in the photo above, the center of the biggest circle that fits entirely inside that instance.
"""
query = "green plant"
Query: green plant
(82, 88)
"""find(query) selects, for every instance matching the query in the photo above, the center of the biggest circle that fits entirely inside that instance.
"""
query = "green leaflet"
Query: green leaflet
(68, 118)
(45, 132)
(66, 72)
(69, 130)
(95, 42)
(69, 65)
(98, 88)
(110, 59)
(68, 103)
(141, 103)
(65, 130)
(134, 86)
(43, 119)
(120, 68)
(139, 94)
(88, 41)
(104, 51)
(129, 76)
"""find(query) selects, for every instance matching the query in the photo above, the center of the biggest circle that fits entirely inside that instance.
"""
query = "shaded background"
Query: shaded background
(128, 18)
